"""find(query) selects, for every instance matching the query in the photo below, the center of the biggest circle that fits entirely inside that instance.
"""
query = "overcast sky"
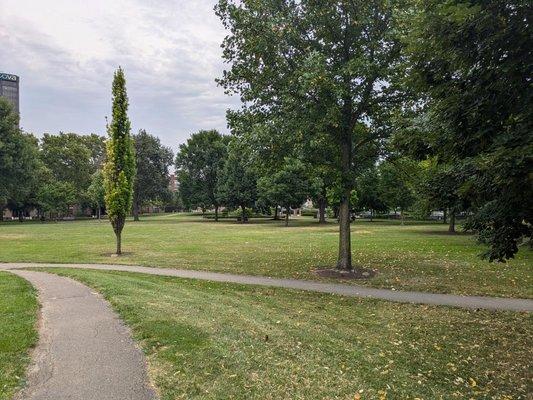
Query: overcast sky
(65, 52)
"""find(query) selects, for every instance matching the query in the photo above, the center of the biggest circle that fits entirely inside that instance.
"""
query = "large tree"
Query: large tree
(199, 164)
(471, 62)
(56, 197)
(19, 161)
(152, 178)
(96, 145)
(68, 158)
(396, 185)
(119, 167)
(289, 187)
(369, 195)
(237, 186)
(320, 67)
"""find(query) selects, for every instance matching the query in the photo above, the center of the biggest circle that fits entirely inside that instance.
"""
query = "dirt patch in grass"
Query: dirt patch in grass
(360, 273)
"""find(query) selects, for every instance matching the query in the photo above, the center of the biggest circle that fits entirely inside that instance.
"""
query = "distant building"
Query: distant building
(9, 88)
(172, 183)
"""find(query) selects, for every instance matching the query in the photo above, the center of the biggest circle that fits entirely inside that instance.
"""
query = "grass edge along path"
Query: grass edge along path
(211, 340)
(18, 318)
(418, 256)
(473, 302)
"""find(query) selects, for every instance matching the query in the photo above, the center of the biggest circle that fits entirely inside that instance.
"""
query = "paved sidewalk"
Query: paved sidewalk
(473, 302)
(84, 352)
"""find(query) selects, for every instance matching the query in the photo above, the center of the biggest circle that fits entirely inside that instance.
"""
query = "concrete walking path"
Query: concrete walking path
(84, 351)
(472, 302)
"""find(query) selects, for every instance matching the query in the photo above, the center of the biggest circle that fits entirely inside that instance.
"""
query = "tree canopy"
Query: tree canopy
(316, 67)
(199, 165)
(119, 167)
(471, 64)
(152, 160)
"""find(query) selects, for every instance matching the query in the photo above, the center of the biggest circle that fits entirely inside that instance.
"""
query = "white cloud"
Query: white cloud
(66, 51)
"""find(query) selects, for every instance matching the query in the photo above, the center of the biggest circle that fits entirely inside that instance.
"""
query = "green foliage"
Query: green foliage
(471, 62)
(334, 194)
(72, 158)
(152, 160)
(119, 168)
(319, 71)
(96, 190)
(97, 150)
(369, 194)
(237, 186)
(18, 161)
(396, 177)
(199, 164)
(68, 159)
(56, 196)
(289, 187)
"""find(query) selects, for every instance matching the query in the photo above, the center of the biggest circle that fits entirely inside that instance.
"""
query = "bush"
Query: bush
(309, 212)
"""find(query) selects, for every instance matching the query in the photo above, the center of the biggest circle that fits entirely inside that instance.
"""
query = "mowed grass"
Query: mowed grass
(18, 315)
(207, 340)
(417, 256)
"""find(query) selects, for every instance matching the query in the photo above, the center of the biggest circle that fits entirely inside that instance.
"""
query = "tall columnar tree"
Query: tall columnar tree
(320, 67)
(119, 168)
(152, 178)
(199, 164)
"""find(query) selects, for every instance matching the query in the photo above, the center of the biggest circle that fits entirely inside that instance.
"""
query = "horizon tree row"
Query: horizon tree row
(57, 172)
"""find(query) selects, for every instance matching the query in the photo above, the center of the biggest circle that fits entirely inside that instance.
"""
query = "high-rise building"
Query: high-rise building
(9, 88)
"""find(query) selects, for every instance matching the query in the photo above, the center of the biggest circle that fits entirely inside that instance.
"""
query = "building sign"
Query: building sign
(8, 77)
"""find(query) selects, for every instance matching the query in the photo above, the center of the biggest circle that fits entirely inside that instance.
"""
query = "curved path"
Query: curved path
(474, 302)
(84, 352)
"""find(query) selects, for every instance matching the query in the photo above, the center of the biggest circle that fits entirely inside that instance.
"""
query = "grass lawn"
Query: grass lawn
(18, 314)
(223, 341)
(417, 256)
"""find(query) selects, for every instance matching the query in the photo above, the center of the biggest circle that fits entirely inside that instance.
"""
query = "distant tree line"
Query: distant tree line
(57, 172)
(357, 105)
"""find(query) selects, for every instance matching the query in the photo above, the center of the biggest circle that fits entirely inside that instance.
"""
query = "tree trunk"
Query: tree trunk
(21, 216)
(243, 214)
(136, 208)
(118, 225)
(322, 211)
(345, 251)
(401, 216)
(344, 261)
(99, 212)
(371, 215)
(451, 227)
(276, 213)
(444, 215)
(216, 213)
(287, 216)
(119, 242)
